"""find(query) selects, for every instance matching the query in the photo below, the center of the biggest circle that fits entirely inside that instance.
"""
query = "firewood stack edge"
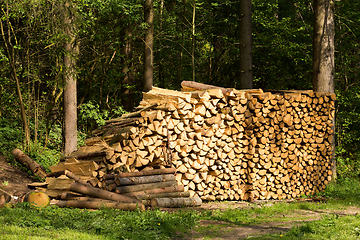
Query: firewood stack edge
(224, 144)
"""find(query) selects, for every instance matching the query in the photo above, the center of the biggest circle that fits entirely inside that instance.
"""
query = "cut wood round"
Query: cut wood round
(37, 199)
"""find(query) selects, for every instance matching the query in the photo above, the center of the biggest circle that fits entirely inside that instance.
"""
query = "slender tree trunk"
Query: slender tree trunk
(246, 73)
(193, 41)
(127, 94)
(323, 54)
(11, 55)
(70, 91)
(149, 45)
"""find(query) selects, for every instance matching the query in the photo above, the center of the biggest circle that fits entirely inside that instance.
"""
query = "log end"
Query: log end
(37, 199)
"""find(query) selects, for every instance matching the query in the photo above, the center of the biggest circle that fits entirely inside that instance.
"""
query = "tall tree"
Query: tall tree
(70, 91)
(149, 45)
(246, 73)
(323, 54)
(323, 46)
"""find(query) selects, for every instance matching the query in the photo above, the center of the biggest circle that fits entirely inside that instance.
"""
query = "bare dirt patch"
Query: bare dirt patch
(13, 180)
(222, 230)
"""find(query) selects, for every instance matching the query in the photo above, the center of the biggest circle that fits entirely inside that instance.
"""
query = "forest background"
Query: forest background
(195, 40)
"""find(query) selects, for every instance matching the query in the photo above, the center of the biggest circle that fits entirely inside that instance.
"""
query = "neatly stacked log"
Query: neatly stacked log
(224, 143)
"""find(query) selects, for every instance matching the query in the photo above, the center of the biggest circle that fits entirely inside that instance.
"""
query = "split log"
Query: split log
(100, 205)
(100, 193)
(30, 164)
(176, 202)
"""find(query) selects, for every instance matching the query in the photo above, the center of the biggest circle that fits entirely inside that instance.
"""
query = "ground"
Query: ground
(15, 181)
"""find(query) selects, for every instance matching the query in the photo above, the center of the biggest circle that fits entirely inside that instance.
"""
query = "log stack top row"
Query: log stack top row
(225, 143)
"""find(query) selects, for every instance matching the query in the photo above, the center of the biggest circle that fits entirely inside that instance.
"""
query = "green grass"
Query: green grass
(25, 222)
(330, 227)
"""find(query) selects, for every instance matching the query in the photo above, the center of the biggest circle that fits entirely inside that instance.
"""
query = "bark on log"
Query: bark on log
(176, 202)
(83, 156)
(146, 173)
(142, 187)
(30, 164)
(163, 195)
(100, 193)
(201, 86)
(130, 115)
(144, 179)
(100, 205)
(179, 188)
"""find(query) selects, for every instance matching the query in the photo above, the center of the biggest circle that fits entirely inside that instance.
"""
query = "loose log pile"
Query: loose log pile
(129, 191)
(225, 144)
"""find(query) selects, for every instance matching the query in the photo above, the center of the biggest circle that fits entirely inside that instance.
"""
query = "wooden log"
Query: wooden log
(146, 173)
(100, 205)
(178, 188)
(30, 164)
(163, 195)
(84, 155)
(144, 179)
(100, 193)
(37, 199)
(176, 202)
(130, 115)
(190, 85)
(142, 187)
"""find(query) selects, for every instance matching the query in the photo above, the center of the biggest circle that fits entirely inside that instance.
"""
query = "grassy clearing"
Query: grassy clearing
(25, 222)
(329, 227)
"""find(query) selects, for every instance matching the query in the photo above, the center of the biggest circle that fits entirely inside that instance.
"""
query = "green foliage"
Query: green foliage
(46, 157)
(10, 136)
(346, 190)
(91, 117)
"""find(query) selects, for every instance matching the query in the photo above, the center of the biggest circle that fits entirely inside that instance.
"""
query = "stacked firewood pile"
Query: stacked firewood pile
(224, 143)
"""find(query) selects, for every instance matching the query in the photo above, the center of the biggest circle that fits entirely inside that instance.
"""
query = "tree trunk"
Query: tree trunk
(193, 41)
(70, 92)
(323, 54)
(127, 95)
(149, 44)
(246, 74)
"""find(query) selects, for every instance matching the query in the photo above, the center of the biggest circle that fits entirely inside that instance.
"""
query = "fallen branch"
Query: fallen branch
(30, 164)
